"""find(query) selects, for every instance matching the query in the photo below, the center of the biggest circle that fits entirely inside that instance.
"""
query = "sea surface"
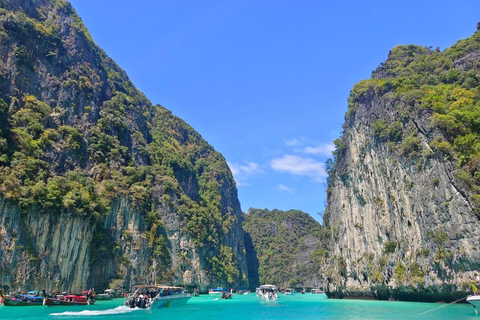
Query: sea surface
(249, 307)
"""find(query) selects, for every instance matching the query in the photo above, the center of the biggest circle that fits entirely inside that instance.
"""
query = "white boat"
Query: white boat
(475, 301)
(289, 291)
(317, 291)
(156, 297)
(106, 295)
(216, 292)
(267, 292)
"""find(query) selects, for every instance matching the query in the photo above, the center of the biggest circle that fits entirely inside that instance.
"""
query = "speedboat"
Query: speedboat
(156, 297)
(217, 292)
(289, 291)
(268, 292)
(106, 295)
(317, 291)
(475, 301)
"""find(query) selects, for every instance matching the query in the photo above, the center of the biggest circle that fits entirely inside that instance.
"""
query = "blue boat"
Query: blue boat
(24, 300)
(217, 292)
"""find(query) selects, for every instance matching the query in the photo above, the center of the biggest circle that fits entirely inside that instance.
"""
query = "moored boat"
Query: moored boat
(317, 291)
(70, 300)
(106, 295)
(23, 301)
(156, 297)
(289, 291)
(32, 298)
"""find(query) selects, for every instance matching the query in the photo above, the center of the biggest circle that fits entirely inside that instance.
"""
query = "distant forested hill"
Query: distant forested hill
(286, 246)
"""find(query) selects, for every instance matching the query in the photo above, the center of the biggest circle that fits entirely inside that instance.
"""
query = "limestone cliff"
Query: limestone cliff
(98, 186)
(403, 208)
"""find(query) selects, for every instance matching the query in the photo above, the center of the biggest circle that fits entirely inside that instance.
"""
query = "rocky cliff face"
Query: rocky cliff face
(402, 204)
(98, 186)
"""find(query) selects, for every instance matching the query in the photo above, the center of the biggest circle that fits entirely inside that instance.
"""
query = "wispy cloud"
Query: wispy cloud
(292, 142)
(300, 166)
(282, 187)
(324, 149)
(242, 172)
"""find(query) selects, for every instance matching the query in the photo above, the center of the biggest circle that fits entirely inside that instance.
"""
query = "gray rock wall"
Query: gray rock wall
(397, 220)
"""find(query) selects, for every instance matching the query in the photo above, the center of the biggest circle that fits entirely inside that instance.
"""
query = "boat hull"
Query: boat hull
(474, 300)
(18, 303)
(168, 301)
(56, 302)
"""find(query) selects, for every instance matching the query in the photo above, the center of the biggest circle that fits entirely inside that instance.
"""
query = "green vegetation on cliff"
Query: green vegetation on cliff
(447, 85)
(75, 135)
(287, 245)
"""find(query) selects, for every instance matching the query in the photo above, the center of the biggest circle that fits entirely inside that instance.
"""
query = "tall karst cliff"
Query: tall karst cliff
(97, 185)
(404, 189)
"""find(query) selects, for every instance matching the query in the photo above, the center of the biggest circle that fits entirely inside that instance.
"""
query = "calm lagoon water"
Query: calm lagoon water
(249, 307)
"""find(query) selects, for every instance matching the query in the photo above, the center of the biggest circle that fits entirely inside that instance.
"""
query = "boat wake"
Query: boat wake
(89, 313)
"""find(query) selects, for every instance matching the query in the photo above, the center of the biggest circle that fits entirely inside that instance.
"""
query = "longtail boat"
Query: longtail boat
(69, 300)
(23, 301)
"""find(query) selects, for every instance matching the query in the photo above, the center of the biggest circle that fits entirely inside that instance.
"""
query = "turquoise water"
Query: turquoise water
(249, 307)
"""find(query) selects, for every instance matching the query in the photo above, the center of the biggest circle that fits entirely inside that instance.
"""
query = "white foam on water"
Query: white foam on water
(89, 313)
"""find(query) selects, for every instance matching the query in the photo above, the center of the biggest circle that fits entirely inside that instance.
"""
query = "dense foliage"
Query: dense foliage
(447, 85)
(288, 246)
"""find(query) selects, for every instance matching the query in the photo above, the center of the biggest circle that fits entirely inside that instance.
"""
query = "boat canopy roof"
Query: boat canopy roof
(160, 286)
(268, 286)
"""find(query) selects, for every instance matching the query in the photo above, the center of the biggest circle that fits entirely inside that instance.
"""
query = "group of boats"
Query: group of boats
(40, 298)
(143, 296)
(270, 292)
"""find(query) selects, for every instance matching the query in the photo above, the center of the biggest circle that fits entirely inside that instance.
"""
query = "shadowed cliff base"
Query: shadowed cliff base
(445, 293)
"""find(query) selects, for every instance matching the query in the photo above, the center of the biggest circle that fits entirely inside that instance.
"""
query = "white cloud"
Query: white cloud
(325, 149)
(282, 187)
(292, 142)
(242, 172)
(300, 166)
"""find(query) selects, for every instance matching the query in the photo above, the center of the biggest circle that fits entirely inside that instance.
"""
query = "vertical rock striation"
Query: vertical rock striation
(402, 196)
(98, 186)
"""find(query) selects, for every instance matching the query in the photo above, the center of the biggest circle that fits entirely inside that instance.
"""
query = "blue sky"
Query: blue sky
(266, 81)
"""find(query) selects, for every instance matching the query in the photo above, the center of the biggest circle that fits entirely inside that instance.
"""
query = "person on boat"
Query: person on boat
(473, 285)
(132, 302)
